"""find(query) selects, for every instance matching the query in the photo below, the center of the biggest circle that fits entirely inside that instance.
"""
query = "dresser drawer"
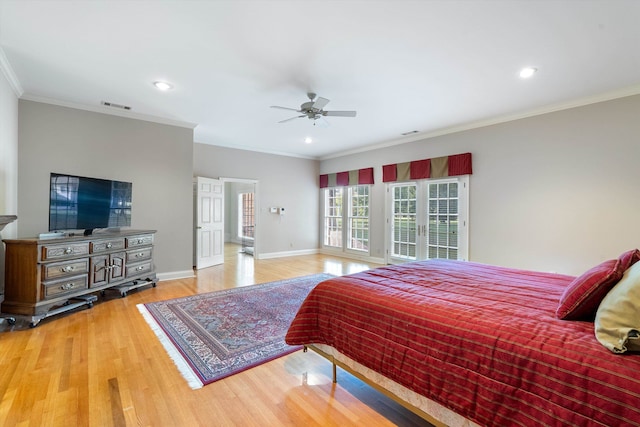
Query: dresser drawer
(60, 251)
(141, 240)
(69, 285)
(99, 246)
(65, 268)
(137, 269)
(139, 254)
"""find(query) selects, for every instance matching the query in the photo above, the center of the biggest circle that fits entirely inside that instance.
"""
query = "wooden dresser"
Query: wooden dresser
(44, 277)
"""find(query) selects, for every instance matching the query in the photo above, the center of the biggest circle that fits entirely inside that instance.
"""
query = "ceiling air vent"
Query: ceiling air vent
(113, 105)
(409, 133)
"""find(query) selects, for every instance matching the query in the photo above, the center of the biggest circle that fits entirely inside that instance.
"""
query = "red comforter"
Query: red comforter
(480, 340)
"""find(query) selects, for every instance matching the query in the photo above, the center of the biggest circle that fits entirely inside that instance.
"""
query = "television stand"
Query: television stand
(45, 277)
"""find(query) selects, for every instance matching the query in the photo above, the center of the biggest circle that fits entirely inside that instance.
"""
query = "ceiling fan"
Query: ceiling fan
(313, 109)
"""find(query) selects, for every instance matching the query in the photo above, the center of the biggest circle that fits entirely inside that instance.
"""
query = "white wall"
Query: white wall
(8, 154)
(156, 158)
(287, 182)
(8, 163)
(555, 192)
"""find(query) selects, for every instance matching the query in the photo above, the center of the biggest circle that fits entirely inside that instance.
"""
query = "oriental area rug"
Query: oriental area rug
(217, 334)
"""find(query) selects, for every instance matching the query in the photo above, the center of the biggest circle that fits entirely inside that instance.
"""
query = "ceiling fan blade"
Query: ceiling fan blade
(284, 108)
(292, 118)
(339, 113)
(320, 102)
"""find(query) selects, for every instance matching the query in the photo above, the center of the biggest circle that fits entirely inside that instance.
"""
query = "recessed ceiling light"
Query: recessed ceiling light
(163, 85)
(308, 140)
(527, 72)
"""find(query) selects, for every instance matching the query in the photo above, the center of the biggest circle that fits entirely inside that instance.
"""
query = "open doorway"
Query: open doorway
(225, 221)
(240, 216)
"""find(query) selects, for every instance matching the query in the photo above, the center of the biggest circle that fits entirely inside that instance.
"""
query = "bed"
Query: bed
(466, 344)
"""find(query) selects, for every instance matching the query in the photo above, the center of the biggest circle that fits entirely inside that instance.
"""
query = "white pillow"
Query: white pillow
(617, 323)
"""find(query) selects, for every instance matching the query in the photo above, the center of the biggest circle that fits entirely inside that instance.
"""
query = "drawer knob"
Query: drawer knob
(68, 250)
(139, 255)
(109, 245)
(66, 286)
(140, 267)
(140, 241)
(67, 268)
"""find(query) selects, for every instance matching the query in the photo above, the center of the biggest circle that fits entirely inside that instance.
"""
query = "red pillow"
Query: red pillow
(627, 259)
(582, 297)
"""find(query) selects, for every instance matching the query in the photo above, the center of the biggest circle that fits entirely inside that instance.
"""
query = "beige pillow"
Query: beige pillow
(617, 323)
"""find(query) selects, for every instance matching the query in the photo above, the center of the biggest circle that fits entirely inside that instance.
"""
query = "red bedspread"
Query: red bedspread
(481, 340)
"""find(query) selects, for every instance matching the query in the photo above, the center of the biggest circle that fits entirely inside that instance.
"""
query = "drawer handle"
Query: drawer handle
(67, 268)
(140, 241)
(67, 286)
(68, 250)
(139, 254)
(109, 245)
(140, 267)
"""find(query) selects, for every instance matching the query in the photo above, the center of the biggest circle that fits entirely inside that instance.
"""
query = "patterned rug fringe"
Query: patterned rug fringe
(184, 368)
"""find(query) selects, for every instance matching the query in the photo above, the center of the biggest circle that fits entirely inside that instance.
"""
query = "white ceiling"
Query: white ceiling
(430, 66)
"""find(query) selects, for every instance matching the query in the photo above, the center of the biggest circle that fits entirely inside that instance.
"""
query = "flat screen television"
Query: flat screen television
(82, 203)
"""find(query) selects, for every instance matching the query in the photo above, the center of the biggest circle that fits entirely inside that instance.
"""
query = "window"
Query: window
(333, 217)
(356, 215)
(246, 215)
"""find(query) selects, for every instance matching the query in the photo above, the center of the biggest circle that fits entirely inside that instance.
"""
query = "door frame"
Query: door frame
(256, 201)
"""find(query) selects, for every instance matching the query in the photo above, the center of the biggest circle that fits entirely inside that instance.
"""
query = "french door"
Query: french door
(427, 219)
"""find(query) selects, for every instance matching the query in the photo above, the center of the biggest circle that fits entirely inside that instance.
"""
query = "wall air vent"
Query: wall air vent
(113, 105)
(409, 133)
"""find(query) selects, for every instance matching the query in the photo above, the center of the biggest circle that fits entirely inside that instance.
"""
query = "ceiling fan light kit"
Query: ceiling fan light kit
(313, 109)
(161, 85)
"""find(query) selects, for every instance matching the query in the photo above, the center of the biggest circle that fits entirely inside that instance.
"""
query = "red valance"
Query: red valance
(438, 167)
(342, 179)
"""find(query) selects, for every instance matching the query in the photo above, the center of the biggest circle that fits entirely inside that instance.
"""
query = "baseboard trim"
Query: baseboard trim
(284, 254)
(287, 253)
(173, 275)
(350, 255)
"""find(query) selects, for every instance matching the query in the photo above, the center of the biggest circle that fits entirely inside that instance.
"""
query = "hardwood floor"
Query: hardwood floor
(105, 367)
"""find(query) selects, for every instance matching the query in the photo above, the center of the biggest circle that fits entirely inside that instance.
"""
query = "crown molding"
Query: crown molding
(110, 111)
(581, 102)
(10, 75)
(256, 150)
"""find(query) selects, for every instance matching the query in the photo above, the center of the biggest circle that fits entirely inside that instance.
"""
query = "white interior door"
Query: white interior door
(209, 222)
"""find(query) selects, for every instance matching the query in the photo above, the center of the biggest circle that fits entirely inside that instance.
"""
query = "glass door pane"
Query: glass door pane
(358, 218)
(442, 226)
(404, 222)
